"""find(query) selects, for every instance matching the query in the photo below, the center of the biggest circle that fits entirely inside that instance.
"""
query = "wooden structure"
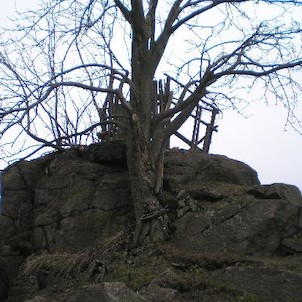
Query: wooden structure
(209, 128)
(114, 118)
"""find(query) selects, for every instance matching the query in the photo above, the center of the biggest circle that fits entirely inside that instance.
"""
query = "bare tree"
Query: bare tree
(70, 56)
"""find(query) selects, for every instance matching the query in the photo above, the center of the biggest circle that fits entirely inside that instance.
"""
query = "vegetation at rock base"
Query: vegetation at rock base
(191, 272)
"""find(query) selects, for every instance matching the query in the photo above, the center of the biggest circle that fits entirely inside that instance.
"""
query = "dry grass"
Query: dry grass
(68, 264)
(62, 264)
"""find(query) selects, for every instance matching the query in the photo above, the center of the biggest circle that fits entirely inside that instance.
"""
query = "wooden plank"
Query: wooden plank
(209, 132)
(183, 138)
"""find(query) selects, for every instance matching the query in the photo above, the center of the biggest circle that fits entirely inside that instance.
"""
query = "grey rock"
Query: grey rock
(163, 288)
(90, 293)
(278, 191)
(112, 153)
(119, 292)
(72, 212)
(40, 299)
(107, 292)
(6, 250)
(300, 219)
(252, 226)
(168, 279)
(4, 285)
(7, 229)
(156, 293)
(183, 167)
(293, 244)
(268, 283)
(205, 194)
(9, 267)
(21, 175)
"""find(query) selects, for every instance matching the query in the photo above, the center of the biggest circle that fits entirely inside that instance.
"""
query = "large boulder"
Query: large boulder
(277, 191)
(40, 299)
(4, 286)
(244, 223)
(107, 292)
(183, 167)
(74, 203)
(18, 183)
(7, 230)
(270, 284)
(111, 153)
(64, 200)
(164, 287)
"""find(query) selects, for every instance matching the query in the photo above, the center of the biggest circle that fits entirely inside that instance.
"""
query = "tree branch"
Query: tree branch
(254, 73)
(125, 12)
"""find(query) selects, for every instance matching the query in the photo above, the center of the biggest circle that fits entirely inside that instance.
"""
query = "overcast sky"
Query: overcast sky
(261, 140)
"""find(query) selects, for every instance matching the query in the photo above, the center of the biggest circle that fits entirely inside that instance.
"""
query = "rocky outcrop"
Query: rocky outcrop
(270, 284)
(64, 202)
(224, 224)
(107, 292)
(249, 222)
(186, 167)
(4, 286)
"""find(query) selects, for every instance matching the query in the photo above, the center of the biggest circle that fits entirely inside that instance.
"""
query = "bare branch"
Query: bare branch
(126, 13)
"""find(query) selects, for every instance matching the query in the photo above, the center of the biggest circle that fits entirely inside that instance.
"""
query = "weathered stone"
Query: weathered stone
(163, 288)
(268, 283)
(40, 299)
(119, 292)
(112, 153)
(293, 244)
(72, 212)
(22, 243)
(84, 230)
(6, 250)
(90, 293)
(300, 218)
(205, 194)
(7, 229)
(9, 267)
(183, 167)
(156, 293)
(22, 175)
(3, 285)
(278, 191)
(167, 279)
(17, 205)
(107, 292)
(254, 226)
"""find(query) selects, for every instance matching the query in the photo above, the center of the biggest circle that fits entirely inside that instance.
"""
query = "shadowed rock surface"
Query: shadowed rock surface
(70, 216)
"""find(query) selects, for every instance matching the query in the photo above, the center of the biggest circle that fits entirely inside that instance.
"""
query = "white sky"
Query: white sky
(263, 142)
(260, 140)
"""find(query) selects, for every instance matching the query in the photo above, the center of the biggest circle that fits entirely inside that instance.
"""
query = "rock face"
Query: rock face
(272, 284)
(241, 223)
(187, 167)
(67, 203)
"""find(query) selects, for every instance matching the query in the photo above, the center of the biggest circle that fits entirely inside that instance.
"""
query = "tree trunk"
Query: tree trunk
(151, 218)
